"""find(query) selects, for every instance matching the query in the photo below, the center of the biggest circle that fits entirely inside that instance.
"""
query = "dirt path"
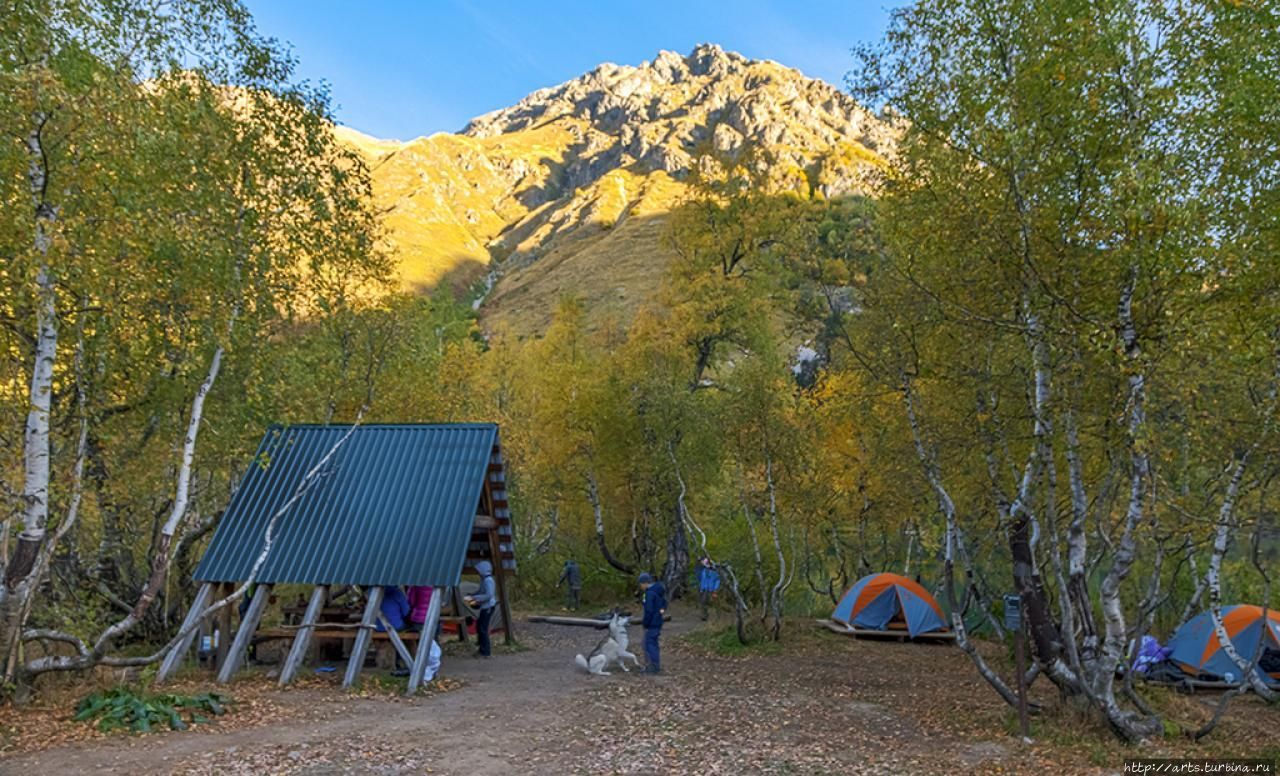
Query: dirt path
(824, 704)
(466, 731)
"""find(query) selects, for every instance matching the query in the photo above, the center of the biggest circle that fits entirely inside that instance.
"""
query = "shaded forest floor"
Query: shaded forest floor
(819, 703)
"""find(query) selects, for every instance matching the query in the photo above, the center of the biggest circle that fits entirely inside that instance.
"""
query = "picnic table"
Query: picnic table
(293, 614)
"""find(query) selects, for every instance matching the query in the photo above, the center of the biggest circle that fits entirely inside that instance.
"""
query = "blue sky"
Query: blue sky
(399, 69)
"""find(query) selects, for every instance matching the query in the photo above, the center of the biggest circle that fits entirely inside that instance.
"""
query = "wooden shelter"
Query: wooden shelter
(368, 507)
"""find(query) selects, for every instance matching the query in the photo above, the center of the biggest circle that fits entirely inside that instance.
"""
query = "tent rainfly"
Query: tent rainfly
(878, 601)
(1196, 648)
(394, 505)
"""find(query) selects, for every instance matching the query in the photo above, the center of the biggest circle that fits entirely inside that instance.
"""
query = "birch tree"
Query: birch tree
(1050, 252)
(172, 223)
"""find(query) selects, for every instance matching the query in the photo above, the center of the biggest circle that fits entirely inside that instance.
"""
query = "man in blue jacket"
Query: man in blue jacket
(708, 584)
(655, 610)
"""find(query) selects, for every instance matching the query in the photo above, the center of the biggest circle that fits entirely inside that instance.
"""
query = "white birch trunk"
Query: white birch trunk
(19, 583)
(934, 477)
(181, 499)
(759, 560)
(1213, 584)
(1193, 603)
(779, 588)
(1127, 724)
(1077, 546)
(757, 556)
(597, 509)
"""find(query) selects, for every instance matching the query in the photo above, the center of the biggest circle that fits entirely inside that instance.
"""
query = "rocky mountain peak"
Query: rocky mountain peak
(567, 190)
(665, 113)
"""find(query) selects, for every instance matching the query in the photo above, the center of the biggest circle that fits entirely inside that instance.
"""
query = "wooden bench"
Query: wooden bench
(383, 649)
(321, 632)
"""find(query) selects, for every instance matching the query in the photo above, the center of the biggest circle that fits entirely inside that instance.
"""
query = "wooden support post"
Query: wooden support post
(401, 649)
(356, 662)
(424, 641)
(244, 636)
(500, 573)
(174, 658)
(224, 627)
(1019, 639)
(302, 640)
(459, 610)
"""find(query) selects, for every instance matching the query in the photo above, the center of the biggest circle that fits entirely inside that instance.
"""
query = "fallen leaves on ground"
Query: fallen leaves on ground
(256, 700)
(819, 703)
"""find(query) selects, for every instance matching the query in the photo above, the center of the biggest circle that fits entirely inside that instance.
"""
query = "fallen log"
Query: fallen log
(582, 622)
(585, 622)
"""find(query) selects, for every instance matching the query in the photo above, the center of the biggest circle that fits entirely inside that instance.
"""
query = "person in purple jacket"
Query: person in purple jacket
(395, 607)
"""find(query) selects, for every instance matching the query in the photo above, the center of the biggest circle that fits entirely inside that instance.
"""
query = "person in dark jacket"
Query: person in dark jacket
(483, 601)
(573, 576)
(655, 610)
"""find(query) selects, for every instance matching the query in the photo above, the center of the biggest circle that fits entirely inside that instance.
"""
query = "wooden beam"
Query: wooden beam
(356, 662)
(244, 636)
(500, 572)
(395, 640)
(224, 626)
(174, 658)
(301, 642)
(424, 640)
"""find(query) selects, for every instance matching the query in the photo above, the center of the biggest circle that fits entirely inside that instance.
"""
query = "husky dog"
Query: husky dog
(612, 649)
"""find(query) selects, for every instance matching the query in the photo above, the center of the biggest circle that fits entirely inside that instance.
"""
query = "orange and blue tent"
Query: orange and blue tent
(879, 601)
(1197, 650)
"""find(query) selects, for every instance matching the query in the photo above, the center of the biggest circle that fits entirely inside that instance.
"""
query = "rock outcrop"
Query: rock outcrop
(566, 191)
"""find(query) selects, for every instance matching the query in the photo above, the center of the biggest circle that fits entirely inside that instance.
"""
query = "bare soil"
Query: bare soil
(820, 703)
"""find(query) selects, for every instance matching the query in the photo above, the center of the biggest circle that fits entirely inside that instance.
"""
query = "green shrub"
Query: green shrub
(724, 642)
(122, 708)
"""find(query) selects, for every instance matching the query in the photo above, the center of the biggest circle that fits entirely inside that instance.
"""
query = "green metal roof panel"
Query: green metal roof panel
(394, 506)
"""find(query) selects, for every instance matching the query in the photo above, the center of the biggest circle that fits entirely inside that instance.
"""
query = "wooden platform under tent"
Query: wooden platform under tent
(894, 633)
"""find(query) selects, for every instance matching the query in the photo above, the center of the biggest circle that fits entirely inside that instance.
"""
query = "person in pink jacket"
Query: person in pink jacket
(419, 603)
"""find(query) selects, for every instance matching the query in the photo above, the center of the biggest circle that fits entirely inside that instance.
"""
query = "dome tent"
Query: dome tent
(876, 601)
(1197, 651)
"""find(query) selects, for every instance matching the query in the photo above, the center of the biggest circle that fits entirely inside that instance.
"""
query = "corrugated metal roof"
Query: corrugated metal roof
(394, 506)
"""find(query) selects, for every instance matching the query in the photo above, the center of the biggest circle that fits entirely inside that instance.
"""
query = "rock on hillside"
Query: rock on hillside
(567, 191)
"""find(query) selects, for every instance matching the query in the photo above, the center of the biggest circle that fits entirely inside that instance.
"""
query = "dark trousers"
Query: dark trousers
(483, 619)
(704, 600)
(651, 649)
(572, 597)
